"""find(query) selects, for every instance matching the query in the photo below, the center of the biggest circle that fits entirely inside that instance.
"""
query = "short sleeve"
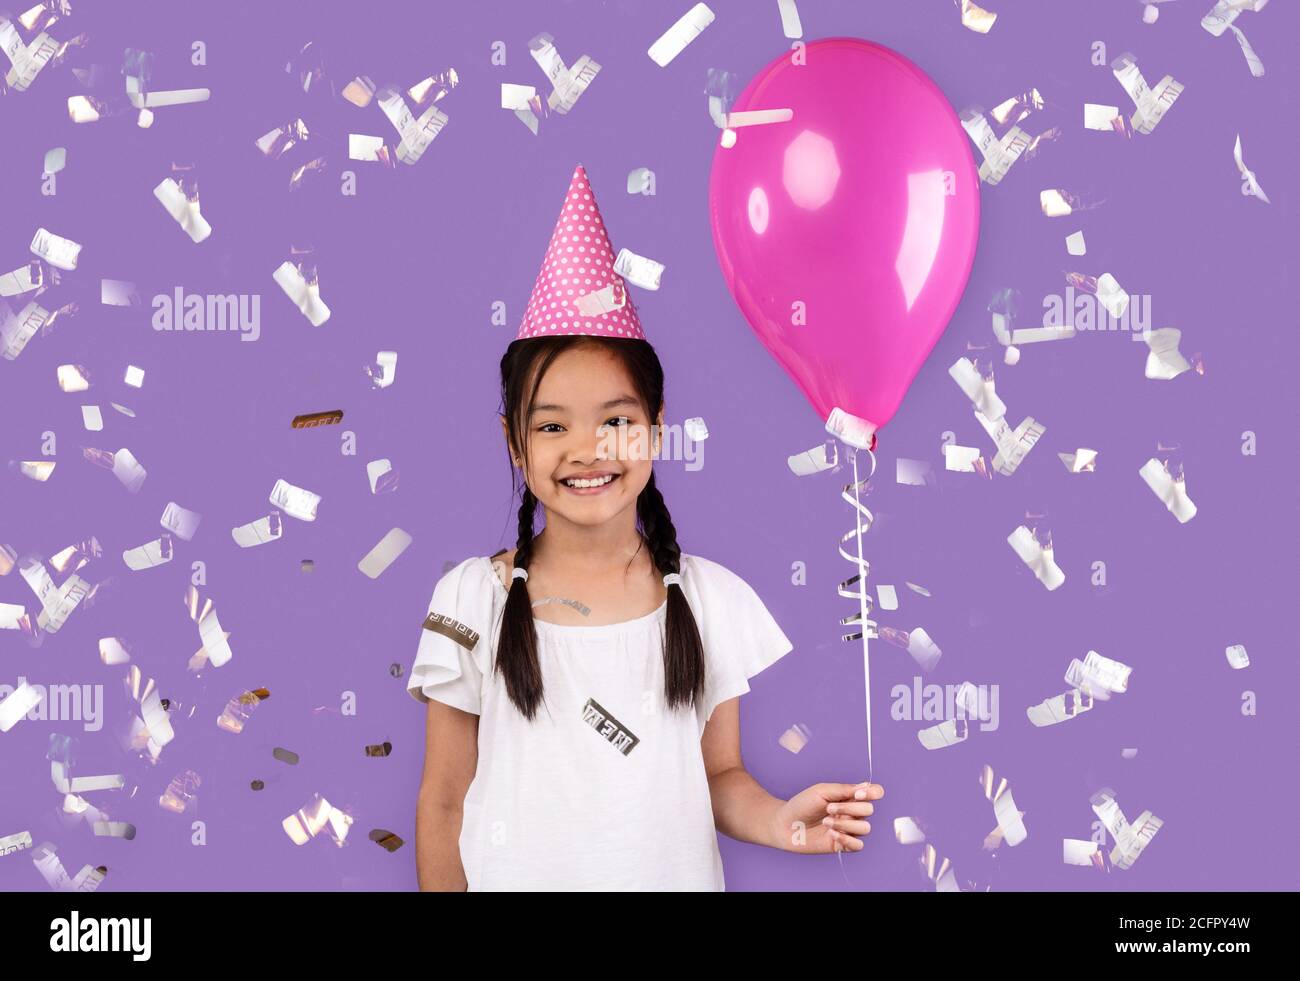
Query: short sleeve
(449, 662)
(741, 637)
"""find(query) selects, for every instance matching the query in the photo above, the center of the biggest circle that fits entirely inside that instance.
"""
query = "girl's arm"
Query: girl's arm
(742, 809)
(450, 762)
(826, 817)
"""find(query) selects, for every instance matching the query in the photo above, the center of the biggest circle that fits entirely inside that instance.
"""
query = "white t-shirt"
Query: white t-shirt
(605, 789)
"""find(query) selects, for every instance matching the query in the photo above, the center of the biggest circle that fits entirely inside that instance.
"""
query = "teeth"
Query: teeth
(595, 482)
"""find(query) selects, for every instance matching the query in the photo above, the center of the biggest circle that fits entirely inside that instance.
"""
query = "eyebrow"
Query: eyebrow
(612, 403)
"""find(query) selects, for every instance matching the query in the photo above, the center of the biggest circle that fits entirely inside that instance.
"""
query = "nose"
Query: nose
(587, 448)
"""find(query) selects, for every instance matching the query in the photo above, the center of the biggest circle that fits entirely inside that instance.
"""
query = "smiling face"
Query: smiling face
(590, 448)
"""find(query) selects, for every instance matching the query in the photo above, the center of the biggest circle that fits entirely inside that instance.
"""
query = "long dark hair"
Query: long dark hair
(522, 368)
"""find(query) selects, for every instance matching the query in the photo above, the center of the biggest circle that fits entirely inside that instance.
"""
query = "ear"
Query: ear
(505, 432)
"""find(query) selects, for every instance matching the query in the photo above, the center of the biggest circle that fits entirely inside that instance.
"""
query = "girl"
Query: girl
(583, 687)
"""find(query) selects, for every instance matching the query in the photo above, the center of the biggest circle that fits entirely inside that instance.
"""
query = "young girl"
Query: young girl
(583, 724)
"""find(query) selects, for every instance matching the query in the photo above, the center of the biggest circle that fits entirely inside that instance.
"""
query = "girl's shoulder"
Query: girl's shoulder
(477, 574)
(711, 579)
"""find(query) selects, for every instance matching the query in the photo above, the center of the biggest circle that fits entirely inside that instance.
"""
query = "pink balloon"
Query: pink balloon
(847, 234)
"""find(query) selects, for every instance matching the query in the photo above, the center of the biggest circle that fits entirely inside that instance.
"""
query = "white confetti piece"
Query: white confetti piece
(55, 160)
(1111, 295)
(795, 738)
(1099, 117)
(21, 701)
(1059, 709)
(641, 181)
(1164, 361)
(1098, 677)
(907, 831)
(1237, 657)
(975, 17)
(179, 521)
(638, 270)
(1080, 461)
(127, 469)
(367, 149)
(1040, 560)
(1075, 245)
(259, 532)
(1172, 493)
(91, 418)
(607, 299)
(294, 501)
(56, 250)
(945, 734)
(387, 373)
(185, 212)
(819, 458)
(149, 555)
(305, 296)
(963, 459)
(1249, 185)
(674, 40)
(385, 553)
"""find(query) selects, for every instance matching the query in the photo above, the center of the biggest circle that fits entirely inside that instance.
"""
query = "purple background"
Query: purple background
(413, 263)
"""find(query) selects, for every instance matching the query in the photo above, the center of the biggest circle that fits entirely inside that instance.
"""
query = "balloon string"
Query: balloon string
(863, 519)
(862, 605)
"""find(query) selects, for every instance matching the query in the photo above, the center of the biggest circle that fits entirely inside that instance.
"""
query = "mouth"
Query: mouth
(588, 486)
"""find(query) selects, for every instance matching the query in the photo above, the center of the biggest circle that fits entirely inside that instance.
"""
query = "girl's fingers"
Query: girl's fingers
(856, 808)
(847, 825)
(846, 843)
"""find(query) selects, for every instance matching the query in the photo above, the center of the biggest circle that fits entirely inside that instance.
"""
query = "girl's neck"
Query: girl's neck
(561, 545)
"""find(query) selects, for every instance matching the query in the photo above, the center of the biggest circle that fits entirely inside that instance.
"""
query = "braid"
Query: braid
(517, 647)
(683, 649)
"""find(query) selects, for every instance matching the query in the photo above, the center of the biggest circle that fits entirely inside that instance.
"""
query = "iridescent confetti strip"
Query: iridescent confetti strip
(216, 649)
(1152, 104)
(316, 817)
(1222, 17)
(1010, 820)
(15, 843)
(415, 134)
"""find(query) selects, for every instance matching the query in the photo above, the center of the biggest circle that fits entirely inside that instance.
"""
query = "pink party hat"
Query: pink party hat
(577, 290)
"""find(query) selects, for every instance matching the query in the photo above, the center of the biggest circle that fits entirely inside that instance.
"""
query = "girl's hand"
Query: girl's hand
(827, 817)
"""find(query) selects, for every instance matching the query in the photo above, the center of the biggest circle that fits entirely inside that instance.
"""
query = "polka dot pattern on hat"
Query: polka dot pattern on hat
(578, 261)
